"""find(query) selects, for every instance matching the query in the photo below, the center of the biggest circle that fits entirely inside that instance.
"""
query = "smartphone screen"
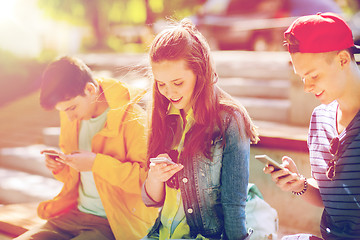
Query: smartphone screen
(161, 160)
(53, 155)
(268, 161)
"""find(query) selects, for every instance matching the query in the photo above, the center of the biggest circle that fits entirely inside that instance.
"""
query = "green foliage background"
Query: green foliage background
(18, 76)
(101, 14)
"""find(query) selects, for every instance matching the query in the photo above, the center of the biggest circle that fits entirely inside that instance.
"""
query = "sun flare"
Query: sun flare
(7, 8)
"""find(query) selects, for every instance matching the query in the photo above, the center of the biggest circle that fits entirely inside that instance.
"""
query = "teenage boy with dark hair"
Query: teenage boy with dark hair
(103, 164)
(322, 53)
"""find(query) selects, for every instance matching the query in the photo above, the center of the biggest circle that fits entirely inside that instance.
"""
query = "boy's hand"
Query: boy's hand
(79, 160)
(52, 162)
(286, 180)
(53, 165)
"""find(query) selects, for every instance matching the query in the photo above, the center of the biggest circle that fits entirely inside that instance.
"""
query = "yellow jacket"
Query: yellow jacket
(119, 168)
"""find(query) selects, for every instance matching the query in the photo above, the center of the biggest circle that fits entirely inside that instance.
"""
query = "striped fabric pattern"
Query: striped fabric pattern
(341, 196)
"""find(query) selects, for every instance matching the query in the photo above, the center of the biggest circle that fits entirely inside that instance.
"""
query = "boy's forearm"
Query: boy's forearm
(312, 194)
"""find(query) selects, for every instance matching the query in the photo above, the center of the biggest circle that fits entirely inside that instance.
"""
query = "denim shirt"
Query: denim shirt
(214, 190)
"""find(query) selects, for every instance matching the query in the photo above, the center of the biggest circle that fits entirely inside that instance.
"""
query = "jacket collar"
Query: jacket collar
(119, 97)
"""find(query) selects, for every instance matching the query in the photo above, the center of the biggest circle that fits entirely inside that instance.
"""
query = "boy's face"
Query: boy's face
(321, 73)
(79, 107)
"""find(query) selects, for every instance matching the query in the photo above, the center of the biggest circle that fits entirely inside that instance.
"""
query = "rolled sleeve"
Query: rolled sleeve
(148, 201)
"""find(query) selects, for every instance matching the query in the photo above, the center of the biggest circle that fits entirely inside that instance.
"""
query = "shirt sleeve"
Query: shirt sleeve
(148, 201)
(234, 178)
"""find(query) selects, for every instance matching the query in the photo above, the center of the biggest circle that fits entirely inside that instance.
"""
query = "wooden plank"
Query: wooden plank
(16, 219)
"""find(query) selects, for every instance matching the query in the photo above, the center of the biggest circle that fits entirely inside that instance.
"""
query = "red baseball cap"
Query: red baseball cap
(323, 32)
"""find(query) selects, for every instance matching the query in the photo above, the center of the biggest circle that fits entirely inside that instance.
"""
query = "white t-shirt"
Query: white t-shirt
(89, 199)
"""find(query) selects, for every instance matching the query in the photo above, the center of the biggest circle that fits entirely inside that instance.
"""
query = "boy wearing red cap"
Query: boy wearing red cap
(322, 53)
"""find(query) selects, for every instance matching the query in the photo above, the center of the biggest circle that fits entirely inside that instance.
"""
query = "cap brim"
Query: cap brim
(355, 49)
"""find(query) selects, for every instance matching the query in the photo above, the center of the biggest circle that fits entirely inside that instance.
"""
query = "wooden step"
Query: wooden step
(27, 159)
(247, 64)
(256, 65)
(22, 187)
(15, 219)
(258, 88)
(272, 110)
(282, 136)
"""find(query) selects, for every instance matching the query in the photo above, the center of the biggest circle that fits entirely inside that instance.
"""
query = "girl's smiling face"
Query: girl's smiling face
(175, 81)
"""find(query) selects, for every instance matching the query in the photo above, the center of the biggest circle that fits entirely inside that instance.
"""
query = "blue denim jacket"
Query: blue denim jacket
(214, 191)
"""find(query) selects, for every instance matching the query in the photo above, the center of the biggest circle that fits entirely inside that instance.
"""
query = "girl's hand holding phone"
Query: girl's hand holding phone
(162, 170)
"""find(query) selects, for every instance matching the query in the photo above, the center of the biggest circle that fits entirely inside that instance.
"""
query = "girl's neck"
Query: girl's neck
(183, 116)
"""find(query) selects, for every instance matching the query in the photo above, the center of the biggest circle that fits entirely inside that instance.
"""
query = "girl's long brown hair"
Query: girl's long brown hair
(183, 41)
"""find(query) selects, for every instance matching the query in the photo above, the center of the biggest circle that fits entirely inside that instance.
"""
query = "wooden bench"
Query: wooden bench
(15, 219)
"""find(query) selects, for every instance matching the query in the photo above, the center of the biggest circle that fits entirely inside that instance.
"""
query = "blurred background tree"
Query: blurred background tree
(81, 12)
(57, 27)
(18, 76)
(125, 20)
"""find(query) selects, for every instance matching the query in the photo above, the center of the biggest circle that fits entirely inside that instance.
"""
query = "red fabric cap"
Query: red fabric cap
(323, 32)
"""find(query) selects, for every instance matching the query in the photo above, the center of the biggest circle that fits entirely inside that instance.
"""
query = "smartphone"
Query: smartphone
(53, 154)
(161, 160)
(50, 153)
(268, 161)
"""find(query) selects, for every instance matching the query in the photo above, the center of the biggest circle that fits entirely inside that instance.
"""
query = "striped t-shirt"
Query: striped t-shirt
(341, 196)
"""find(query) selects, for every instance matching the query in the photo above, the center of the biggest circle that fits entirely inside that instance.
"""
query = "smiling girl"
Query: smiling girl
(205, 132)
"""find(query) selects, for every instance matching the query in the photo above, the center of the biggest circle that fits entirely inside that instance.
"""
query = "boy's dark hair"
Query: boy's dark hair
(291, 43)
(62, 80)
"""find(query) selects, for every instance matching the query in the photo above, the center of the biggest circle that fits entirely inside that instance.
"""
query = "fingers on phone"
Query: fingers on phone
(64, 158)
(174, 169)
(269, 168)
(286, 180)
(166, 166)
(54, 166)
(277, 175)
(171, 167)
